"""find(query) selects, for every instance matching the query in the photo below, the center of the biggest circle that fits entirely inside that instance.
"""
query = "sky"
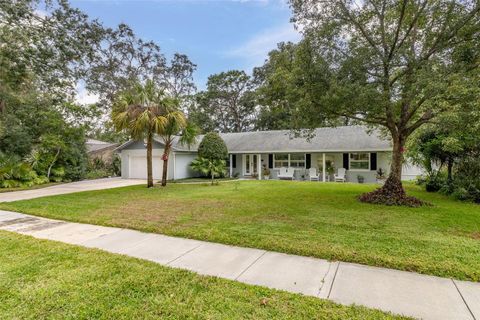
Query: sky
(217, 35)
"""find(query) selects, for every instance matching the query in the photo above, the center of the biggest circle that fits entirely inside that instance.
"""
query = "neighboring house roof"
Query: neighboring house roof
(97, 145)
(338, 139)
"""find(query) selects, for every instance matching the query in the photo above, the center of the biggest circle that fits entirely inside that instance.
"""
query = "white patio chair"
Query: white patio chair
(340, 176)
(286, 173)
(312, 174)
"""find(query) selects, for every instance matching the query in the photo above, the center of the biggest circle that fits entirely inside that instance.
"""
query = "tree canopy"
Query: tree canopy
(228, 104)
(393, 63)
(45, 49)
(212, 147)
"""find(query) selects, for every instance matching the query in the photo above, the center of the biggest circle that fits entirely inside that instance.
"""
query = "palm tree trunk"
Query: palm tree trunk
(149, 161)
(165, 164)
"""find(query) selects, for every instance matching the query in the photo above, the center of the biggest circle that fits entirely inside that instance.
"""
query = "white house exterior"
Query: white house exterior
(354, 148)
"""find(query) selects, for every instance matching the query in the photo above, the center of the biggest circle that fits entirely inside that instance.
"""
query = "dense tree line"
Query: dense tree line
(48, 49)
(42, 54)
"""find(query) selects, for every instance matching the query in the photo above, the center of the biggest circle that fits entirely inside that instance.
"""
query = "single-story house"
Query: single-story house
(102, 150)
(353, 148)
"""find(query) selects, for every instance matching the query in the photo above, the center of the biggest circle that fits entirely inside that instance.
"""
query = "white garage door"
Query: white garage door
(138, 167)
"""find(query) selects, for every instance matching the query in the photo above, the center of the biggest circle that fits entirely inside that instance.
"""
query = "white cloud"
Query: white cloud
(255, 50)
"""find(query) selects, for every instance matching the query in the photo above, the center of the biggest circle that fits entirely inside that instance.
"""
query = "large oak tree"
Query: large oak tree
(394, 62)
(228, 104)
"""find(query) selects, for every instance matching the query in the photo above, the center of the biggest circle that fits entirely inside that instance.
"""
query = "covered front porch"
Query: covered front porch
(359, 166)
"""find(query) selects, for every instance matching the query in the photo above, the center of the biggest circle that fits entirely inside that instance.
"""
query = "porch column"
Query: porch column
(323, 167)
(231, 165)
(259, 166)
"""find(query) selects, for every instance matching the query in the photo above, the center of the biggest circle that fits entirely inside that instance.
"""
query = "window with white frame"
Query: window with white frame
(281, 160)
(360, 161)
(297, 160)
(294, 160)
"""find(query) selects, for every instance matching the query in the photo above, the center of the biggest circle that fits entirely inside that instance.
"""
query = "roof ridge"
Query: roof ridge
(282, 130)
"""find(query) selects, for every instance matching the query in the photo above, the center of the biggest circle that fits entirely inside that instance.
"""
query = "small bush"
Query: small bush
(9, 183)
(116, 166)
(98, 173)
(40, 180)
(212, 147)
(461, 194)
(466, 182)
(57, 174)
(421, 180)
(434, 182)
(14, 173)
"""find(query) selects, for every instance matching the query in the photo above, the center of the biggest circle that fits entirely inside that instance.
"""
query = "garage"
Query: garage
(138, 167)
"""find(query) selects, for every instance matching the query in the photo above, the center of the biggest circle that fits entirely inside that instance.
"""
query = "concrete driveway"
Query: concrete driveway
(86, 185)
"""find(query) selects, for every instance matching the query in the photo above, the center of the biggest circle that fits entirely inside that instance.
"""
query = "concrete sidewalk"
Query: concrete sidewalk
(400, 292)
(64, 188)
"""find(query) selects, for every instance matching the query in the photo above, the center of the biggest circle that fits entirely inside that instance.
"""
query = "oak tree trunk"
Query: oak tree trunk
(149, 161)
(392, 192)
(397, 159)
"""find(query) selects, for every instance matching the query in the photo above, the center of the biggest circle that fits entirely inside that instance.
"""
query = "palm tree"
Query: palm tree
(176, 127)
(142, 111)
(209, 167)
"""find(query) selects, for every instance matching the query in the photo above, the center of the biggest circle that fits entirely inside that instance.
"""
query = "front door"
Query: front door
(250, 164)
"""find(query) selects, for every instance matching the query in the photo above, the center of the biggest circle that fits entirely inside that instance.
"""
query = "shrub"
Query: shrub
(116, 166)
(97, 168)
(435, 182)
(211, 168)
(212, 147)
(461, 194)
(57, 174)
(40, 180)
(15, 173)
(97, 174)
(466, 183)
(9, 183)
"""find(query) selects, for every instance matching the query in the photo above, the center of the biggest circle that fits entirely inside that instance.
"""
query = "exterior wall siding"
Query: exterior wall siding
(179, 164)
(182, 165)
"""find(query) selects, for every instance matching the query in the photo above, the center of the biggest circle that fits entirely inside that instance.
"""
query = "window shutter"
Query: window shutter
(308, 160)
(234, 160)
(373, 161)
(270, 161)
(345, 161)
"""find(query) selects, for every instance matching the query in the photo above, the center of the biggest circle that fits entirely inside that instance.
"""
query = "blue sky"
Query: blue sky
(217, 35)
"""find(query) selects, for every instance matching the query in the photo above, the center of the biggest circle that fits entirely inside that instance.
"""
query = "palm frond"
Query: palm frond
(189, 135)
(159, 124)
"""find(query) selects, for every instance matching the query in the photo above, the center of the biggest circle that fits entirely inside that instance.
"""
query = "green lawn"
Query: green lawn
(200, 180)
(305, 218)
(42, 279)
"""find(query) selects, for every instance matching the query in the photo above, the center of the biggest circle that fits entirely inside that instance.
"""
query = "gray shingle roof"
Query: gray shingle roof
(96, 145)
(338, 139)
